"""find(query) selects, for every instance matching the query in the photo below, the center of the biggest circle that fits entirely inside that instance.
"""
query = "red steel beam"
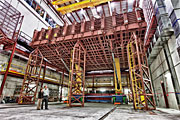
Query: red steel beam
(17, 26)
(22, 76)
(7, 69)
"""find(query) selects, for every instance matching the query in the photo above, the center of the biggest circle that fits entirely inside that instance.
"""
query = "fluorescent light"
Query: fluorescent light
(102, 71)
(51, 68)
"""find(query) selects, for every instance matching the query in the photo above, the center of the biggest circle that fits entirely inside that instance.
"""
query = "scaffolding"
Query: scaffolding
(77, 76)
(10, 25)
(31, 78)
(141, 87)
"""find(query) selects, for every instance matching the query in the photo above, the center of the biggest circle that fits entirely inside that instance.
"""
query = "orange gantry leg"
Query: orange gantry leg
(141, 87)
(77, 76)
(31, 78)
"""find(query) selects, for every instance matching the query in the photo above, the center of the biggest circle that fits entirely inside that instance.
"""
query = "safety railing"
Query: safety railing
(14, 68)
(19, 69)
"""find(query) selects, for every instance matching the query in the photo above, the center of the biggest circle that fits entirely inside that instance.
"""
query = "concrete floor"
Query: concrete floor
(91, 111)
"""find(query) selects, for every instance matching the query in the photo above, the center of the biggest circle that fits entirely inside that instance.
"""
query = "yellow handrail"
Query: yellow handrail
(135, 81)
(18, 69)
(133, 77)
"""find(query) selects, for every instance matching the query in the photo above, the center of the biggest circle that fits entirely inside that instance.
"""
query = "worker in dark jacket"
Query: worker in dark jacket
(40, 97)
(45, 97)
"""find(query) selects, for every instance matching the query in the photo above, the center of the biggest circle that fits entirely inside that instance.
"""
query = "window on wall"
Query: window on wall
(38, 9)
(47, 18)
(34, 4)
(41, 12)
(29, 2)
(50, 21)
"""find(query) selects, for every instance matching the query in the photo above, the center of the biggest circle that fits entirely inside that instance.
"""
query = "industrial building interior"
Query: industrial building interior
(100, 59)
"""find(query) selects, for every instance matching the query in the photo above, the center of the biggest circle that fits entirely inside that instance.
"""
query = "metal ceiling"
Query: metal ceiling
(98, 36)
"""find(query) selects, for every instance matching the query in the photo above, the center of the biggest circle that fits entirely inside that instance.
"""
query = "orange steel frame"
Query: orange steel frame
(77, 78)
(31, 78)
(95, 36)
(10, 24)
(140, 76)
(150, 17)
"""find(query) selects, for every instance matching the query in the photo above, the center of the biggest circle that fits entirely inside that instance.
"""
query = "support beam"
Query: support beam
(7, 69)
(77, 83)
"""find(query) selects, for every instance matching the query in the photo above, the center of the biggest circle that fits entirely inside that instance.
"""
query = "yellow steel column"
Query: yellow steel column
(138, 99)
(79, 75)
(117, 77)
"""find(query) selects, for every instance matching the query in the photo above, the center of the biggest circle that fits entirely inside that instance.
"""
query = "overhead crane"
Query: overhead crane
(59, 2)
(78, 5)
